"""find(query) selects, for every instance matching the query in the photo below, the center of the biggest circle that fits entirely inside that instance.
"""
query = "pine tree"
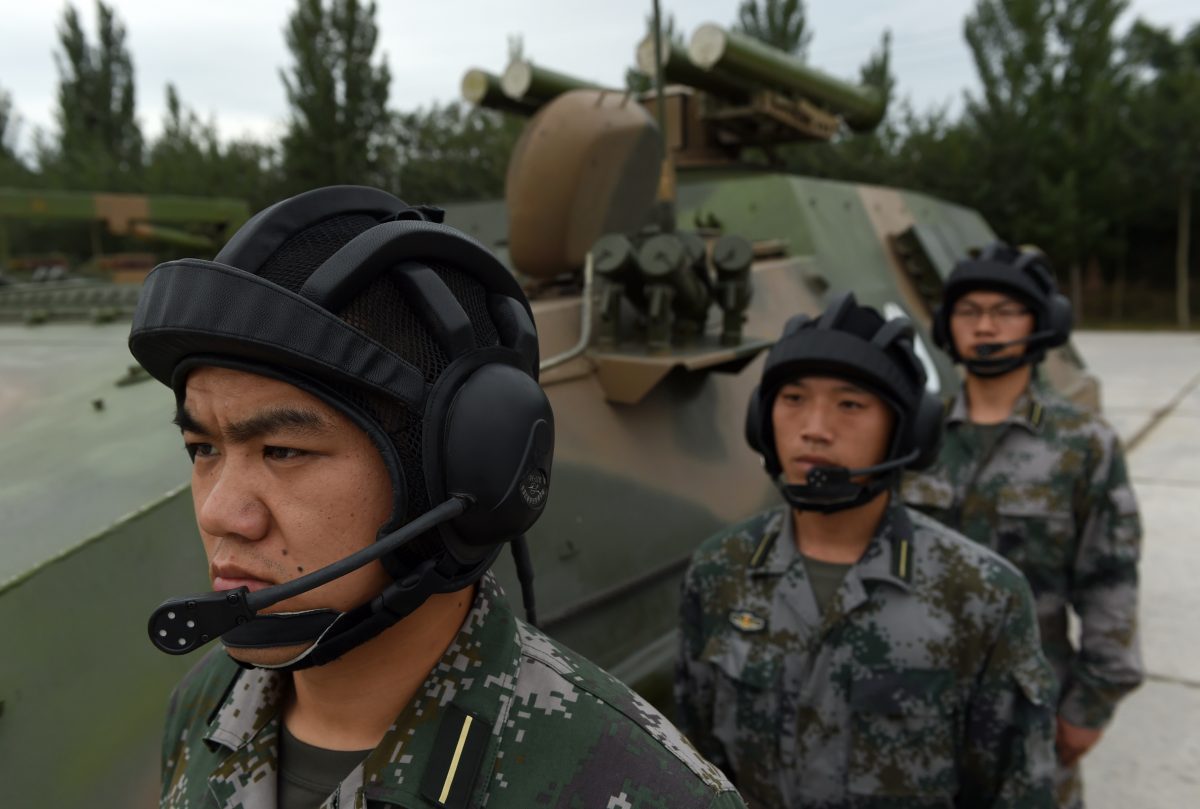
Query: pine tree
(340, 128)
(99, 143)
(1048, 123)
(1168, 115)
(782, 24)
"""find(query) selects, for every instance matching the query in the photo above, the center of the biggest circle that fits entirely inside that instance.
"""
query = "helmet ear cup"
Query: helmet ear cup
(941, 328)
(758, 434)
(498, 443)
(927, 430)
(754, 425)
(754, 421)
(1060, 317)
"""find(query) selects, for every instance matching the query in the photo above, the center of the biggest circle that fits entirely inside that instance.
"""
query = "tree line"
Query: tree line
(1082, 139)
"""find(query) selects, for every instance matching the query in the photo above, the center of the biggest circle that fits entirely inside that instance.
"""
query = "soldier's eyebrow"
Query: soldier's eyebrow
(187, 423)
(842, 386)
(295, 420)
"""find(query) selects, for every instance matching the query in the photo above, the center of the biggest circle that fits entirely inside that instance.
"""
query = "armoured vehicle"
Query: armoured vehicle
(657, 276)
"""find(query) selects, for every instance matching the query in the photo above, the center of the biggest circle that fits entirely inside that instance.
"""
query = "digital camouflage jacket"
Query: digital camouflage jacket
(1053, 497)
(507, 717)
(922, 685)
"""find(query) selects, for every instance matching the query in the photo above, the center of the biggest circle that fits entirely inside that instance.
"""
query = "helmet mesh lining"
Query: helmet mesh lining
(382, 312)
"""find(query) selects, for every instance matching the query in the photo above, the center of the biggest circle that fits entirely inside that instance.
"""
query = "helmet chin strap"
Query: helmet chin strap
(828, 489)
(998, 366)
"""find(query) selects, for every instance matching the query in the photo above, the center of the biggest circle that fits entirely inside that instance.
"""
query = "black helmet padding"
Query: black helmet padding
(269, 229)
(196, 307)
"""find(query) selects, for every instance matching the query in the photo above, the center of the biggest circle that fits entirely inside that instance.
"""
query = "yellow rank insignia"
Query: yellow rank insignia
(747, 621)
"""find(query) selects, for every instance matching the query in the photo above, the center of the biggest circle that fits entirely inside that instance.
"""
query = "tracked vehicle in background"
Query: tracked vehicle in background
(659, 267)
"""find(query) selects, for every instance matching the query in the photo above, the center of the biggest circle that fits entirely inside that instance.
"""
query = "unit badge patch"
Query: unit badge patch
(747, 621)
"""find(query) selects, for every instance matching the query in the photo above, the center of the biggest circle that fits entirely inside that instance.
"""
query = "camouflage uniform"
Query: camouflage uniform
(1053, 496)
(507, 717)
(921, 686)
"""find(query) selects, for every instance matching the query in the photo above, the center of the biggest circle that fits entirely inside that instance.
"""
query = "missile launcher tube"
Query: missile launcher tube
(525, 81)
(737, 56)
(678, 68)
(483, 89)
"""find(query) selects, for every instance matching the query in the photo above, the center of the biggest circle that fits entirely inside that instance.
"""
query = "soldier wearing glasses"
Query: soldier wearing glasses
(1042, 482)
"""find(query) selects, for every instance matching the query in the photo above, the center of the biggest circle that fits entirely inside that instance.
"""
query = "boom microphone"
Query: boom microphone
(985, 350)
(180, 625)
(833, 485)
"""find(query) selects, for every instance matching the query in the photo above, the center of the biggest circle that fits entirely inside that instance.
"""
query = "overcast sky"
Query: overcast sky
(224, 56)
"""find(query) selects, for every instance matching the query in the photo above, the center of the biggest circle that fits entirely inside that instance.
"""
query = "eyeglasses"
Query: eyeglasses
(1001, 313)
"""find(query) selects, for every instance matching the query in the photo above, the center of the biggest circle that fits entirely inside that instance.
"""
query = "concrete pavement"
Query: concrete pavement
(1150, 756)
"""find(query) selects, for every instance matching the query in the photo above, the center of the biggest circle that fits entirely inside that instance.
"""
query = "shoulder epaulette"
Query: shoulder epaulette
(764, 545)
(902, 557)
(902, 534)
(1036, 411)
(458, 752)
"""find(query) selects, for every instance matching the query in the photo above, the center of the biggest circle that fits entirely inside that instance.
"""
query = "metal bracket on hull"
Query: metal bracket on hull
(628, 376)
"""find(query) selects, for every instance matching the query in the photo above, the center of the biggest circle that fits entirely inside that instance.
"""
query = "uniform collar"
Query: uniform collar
(776, 549)
(474, 678)
(456, 709)
(1027, 413)
(888, 557)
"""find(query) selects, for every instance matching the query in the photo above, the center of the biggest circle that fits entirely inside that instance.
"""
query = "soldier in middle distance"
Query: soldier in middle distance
(1042, 482)
(840, 649)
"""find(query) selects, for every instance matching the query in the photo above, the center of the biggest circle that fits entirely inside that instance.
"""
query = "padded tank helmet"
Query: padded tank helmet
(1024, 274)
(412, 329)
(850, 342)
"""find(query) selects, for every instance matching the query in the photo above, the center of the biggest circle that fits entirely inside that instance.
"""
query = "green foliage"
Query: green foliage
(1010, 44)
(877, 70)
(1166, 99)
(340, 125)
(1166, 156)
(188, 157)
(8, 126)
(450, 153)
(782, 24)
(1051, 118)
(868, 157)
(13, 172)
(99, 143)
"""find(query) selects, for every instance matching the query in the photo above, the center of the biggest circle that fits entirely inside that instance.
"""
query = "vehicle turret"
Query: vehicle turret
(586, 164)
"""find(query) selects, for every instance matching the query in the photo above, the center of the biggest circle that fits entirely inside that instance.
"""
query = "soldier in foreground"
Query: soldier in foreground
(356, 386)
(841, 650)
(1042, 482)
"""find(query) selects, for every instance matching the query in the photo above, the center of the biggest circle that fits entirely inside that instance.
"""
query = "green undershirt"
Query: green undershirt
(825, 578)
(987, 435)
(307, 774)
